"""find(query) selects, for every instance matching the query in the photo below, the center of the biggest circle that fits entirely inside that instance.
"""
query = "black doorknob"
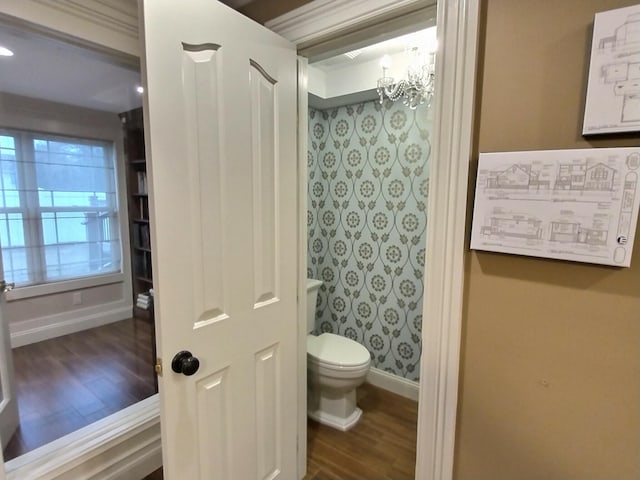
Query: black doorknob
(185, 363)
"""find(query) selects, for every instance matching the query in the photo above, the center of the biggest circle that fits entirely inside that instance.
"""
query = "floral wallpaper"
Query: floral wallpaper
(368, 170)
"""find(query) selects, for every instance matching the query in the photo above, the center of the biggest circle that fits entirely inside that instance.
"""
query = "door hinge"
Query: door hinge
(158, 367)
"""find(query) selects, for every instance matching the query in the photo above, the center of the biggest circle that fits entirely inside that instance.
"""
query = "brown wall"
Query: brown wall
(550, 367)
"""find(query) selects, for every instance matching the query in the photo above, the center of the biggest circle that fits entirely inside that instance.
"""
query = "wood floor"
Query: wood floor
(66, 383)
(381, 447)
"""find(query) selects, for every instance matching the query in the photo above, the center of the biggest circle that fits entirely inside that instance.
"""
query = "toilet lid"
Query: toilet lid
(332, 349)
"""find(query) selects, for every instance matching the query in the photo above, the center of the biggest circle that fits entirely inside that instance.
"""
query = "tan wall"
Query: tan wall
(550, 367)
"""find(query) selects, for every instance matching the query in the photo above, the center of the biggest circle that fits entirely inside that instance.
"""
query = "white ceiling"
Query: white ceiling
(52, 70)
(424, 38)
(341, 80)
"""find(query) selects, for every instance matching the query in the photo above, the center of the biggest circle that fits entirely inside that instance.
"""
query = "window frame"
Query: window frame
(22, 137)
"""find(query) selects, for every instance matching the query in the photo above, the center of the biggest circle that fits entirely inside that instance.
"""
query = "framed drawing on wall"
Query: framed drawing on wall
(578, 205)
(613, 91)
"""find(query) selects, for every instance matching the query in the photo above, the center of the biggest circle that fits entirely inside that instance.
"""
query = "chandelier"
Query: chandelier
(418, 87)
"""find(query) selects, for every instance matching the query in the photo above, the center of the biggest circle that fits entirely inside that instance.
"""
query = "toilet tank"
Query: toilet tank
(312, 297)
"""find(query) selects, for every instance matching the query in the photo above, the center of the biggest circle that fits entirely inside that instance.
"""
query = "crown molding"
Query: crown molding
(325, 17)
(117, 15)
(112, 24)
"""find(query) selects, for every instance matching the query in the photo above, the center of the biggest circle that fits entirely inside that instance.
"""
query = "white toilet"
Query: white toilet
(336, 366)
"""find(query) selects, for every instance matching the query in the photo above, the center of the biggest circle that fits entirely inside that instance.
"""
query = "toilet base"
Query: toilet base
(339, 423)
(332, 408)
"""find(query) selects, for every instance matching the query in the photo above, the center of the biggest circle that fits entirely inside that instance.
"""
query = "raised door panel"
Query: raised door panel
(200, 73)
(264, 154)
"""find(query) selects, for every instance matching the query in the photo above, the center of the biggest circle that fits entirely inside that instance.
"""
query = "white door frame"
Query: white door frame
(457, 22)
(128, 442)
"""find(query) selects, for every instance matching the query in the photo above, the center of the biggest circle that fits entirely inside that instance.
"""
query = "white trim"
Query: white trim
(442, 309)
(457, 25)
(51, 326)
(64, 286)
(303, 120)
(393, 383)
(321, 18)
(111, 24)
(125, 445)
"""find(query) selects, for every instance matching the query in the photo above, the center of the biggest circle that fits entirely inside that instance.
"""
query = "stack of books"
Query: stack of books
(144, 300)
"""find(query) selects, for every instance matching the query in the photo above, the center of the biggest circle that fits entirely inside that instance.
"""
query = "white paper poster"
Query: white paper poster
(579, 205)
(613, 92)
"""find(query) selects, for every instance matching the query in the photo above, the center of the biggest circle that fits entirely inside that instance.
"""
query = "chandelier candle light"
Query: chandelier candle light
(418, 87)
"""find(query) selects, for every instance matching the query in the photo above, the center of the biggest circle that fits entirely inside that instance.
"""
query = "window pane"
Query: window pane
(79, 244)
(70, 188)
(9, 176)
(40, 145)
(16, 230)
(14, 251)
(7, 142)
(49, 229)
(62, 175)
(15, 265)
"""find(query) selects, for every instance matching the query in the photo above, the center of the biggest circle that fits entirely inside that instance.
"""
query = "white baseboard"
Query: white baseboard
(51, 326)
(393, 383)
(123, 446)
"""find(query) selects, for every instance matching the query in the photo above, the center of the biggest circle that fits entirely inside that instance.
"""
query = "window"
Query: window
(58, 208)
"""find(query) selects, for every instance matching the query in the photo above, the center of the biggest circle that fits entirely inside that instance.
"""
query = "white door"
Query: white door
(9, 418)
(221, 142)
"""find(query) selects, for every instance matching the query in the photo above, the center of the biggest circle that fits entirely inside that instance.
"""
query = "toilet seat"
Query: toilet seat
(335, 352)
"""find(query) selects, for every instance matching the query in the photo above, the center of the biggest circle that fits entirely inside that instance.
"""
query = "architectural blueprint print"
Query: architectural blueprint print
(579, 205)
(613, 91)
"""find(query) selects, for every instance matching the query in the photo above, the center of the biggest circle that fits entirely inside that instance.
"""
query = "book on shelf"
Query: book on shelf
(145, 236)
(142, 183)
(144, 301)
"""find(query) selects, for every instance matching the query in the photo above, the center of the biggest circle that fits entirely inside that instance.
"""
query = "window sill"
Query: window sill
(63, 286)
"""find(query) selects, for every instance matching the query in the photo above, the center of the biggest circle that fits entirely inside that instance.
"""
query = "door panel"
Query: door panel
(221, 113)
(265, 157)
(202, 126)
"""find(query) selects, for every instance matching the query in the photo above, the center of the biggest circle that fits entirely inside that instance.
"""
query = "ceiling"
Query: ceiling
(425, 38)
(52, 70)
(57, 71)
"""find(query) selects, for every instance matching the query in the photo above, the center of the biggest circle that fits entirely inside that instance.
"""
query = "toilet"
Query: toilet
(336, 366)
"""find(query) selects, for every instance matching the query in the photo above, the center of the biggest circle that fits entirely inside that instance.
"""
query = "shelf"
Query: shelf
(138, 206)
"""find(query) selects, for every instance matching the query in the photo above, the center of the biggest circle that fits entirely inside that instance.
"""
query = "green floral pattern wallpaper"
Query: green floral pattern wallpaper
(368, 184)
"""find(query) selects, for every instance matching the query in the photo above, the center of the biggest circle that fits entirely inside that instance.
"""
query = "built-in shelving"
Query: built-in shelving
(138, 209)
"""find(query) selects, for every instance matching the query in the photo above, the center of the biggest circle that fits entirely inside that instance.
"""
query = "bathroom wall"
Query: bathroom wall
(550, 364)
(367, 198)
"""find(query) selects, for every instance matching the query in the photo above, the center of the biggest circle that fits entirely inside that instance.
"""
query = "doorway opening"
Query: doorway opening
(367, 192)
(72, 228)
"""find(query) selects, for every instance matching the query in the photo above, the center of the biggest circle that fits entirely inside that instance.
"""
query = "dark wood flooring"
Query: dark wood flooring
(68, 382)
(381, 447)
